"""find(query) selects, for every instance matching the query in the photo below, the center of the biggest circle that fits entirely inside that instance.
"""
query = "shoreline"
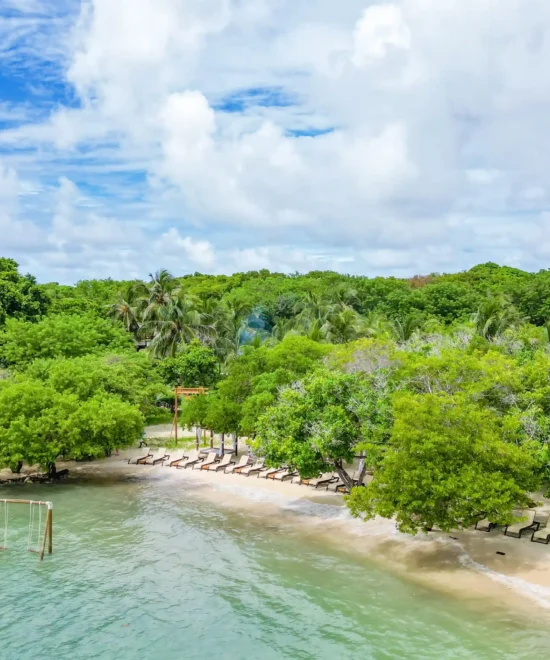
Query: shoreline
(461, 564)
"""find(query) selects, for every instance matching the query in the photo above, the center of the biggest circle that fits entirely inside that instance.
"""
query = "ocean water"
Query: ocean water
(146, 569)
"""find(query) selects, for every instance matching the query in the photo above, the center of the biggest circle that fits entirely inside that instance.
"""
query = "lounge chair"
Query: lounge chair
(193, 458)
(323, 480)
(237, 467)
(153, 459)
(335, 485)
(252, 469)
(209, 460)
(283, 476)
(177, 456)
(484, 525)
(517, 529)
(300, 481)
(541, 535)
(266, 474)
(225, 462)
(139, 458)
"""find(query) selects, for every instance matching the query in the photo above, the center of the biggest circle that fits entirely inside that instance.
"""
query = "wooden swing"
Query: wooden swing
(44, 531)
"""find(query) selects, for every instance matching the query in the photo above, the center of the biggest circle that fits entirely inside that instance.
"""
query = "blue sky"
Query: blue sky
(389, 138)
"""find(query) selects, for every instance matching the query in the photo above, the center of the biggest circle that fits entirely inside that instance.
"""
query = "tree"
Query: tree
(128, 306)
(131, 377)
(21, 342)
(20, 296)
(320, 423)
(194, 366)
(223, 417)
(38, 424)
(495, 316)
(449, 463)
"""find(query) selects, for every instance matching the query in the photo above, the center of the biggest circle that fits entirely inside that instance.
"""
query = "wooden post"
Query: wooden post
(46, 530)
(176, 416)
(50, 529)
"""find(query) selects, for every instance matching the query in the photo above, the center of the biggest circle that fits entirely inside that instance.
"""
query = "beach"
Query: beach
(487, 568)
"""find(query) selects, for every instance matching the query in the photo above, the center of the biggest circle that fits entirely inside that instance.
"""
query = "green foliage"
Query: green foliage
(130, 377)
(38, 424)
(194, 411)
(223, 415)
(449, 463)
(86, 297)
(324, 420)
(21, 342)
(20, 296)
(194, 366)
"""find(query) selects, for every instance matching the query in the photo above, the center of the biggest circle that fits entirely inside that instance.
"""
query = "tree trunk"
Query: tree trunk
(52, 471)
(16, 469)
(235, 444)
(197, 438)
(211, 439)
(222, 444)
(344, 476)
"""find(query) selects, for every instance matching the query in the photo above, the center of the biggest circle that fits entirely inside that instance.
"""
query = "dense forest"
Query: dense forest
(439, 384)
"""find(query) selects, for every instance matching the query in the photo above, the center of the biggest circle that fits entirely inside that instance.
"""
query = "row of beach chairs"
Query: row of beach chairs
(183, 459)
(526, 523)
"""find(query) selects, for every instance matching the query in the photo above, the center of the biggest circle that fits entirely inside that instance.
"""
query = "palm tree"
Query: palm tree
(342, 326)
(496, 315)
(160, 291)
(312, 307)
(176, 322)
(128, 305)
(375, 325)
(227, 329)
(344, 296)
(404, 328)
(282, 328)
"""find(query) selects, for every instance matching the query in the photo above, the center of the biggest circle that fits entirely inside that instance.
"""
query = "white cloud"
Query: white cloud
(436, 158)
(381, 30)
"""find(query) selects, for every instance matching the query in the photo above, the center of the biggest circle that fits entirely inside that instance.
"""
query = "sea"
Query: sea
(147, 569)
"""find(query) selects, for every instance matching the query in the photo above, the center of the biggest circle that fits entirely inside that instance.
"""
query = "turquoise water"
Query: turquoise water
(148, 570)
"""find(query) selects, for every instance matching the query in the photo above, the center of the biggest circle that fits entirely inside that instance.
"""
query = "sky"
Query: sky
(374, 138)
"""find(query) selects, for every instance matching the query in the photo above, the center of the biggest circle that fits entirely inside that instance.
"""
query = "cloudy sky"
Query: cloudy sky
(389, 138)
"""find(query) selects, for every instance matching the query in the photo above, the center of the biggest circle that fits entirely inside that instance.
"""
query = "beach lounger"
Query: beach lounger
(323, 480)
(267, 472)
(193, 458)
(541, 535)
(237, 467)
(283, 476)
(176, 457)
(153, 459)
(252, 469)
(484, 525)
(138, 459)
(300, 481)
(335, 485)
(209, 460)
(225, 462)
(517, 529)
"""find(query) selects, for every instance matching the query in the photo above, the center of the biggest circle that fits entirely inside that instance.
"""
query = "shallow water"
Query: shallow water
(145, 569)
